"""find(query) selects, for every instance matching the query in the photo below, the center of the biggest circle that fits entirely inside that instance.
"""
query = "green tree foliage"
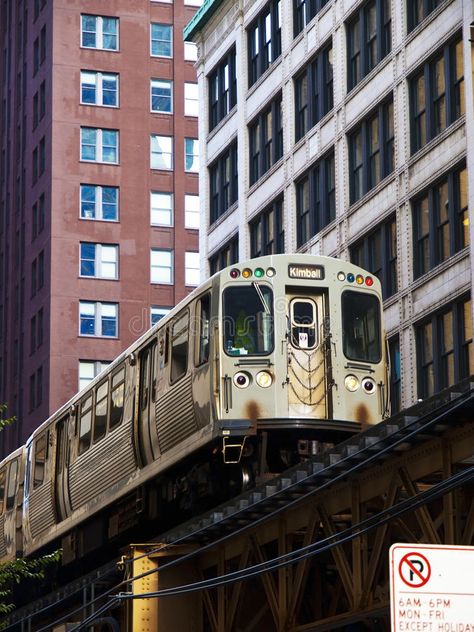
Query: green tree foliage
(20, 569)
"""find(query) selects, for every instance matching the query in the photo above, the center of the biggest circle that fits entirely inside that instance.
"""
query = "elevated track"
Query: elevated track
(306, 551)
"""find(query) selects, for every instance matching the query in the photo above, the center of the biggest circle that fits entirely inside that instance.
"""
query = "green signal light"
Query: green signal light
(259, 273)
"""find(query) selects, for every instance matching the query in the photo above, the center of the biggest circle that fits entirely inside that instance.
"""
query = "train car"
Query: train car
(243, 378)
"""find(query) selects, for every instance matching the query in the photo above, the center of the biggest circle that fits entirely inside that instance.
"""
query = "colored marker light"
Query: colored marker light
(350, 277)
(341, 276)
(234, 273)
(359, 279)
(271, 272)
(369, 281)
(246, 273)
(259, 272)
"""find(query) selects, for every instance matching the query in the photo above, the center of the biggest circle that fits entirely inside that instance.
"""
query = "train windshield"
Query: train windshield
(248, 320)
(361, 326)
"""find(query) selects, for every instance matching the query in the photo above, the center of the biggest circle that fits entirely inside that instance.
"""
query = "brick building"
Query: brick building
(98, 188)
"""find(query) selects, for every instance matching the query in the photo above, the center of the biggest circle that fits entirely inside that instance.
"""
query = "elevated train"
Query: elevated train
(241, 379)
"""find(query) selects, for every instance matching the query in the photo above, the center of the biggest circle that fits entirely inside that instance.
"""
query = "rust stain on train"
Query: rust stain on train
(362, 414)
(252, 411)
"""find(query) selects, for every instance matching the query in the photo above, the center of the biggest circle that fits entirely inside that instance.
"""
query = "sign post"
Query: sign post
(431, 588)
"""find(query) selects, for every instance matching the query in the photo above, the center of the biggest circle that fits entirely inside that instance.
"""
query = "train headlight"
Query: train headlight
(341, 276)
(368, 385)
(242, 379)
(271, 272)
(264, 379)
(351, 383)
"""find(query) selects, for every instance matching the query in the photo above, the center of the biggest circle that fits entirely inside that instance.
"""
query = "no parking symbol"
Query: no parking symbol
(414, 570)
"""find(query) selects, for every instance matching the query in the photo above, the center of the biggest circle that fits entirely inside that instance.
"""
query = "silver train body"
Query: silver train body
(246, 375)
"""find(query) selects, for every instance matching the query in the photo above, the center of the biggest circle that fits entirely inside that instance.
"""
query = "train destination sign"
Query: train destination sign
(431, 588)
(298, 271)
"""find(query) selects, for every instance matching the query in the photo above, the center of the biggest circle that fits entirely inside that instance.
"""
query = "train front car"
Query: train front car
(301, 357)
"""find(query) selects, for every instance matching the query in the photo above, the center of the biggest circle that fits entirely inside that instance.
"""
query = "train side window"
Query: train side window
(118, 389)
(204, 316)
(85, 425)
(179, 347)
(41, 455)
(303, 324)
(11, 487)
(100, 417)
(2, 489)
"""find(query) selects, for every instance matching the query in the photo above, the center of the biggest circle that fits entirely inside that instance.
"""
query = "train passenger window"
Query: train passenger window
(179, 347)
(2, 489)
(100, 417)
(11, 487)
(204, 315)
(361, 326)
(118, 388)
(304, 323)
(248, 320)
(85, 426)
(41, 454)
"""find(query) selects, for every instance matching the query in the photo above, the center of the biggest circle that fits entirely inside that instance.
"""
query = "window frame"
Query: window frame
(223, 194)
(98, 317)
(168, 41)
(98, 203)
(423, 116)
(265, 150)
(267, 230)
(304, 11)
(384, 115)
(170, 86)
(319, 209)
(189, 270)
(359, 62)
(99, 145)
(194, 165)
(99, 32)
(222, 90)
(155, 137)
(264, 51)
(98, 260)
(227, 255)
(169, 267)
(454, 215)
(100, 77)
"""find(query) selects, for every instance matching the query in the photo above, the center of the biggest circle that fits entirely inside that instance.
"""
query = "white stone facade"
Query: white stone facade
(412, 173)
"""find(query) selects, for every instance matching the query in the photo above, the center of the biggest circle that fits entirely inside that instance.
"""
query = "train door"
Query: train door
(147, 433)
(307, 383)
(61, 466)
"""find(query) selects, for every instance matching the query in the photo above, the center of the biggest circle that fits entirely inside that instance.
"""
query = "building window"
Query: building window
(161, 209)
(157, 313)
(191, 211)
(304, 11)
(99, 32)
(264, 40)
(371, 151)
(99, 202)
(222, 89)
(315, 200)
(191, 268)
(225, 256)
(98, 319)
(190, 51)
(313, 92)
(437, 95)
(265, 140)
(377, 252)
(36, 388)
(191, 155)
(161, 40)
(223, 182)
(395, 375)
(38, 217)
(419, 10)
(36, 331)
(37, 273)
(267, 234)
(191, 99)
(444, 348)
(161, 94)
(161, 148)
(99, 88)
(89, 369)
(99, 261)
(39, 104)
(161, 266)
(440, 222)
(99, 145)
(369, 39)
